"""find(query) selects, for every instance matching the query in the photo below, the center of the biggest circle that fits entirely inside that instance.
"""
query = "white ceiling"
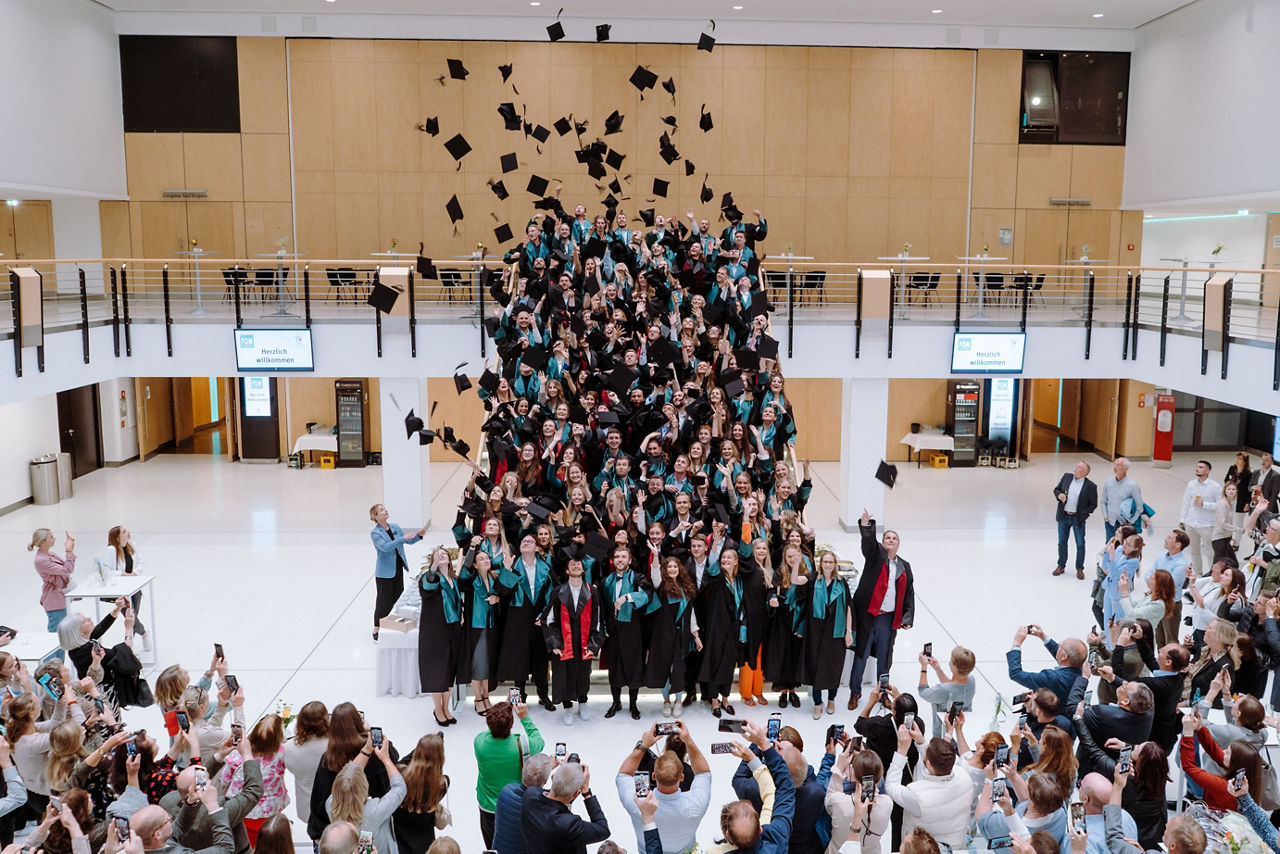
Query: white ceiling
(1116, 14)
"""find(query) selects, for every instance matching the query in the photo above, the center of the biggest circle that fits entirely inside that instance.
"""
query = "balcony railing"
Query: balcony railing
(295, 292)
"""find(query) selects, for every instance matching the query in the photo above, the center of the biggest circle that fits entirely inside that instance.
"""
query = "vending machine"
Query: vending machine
(964, 415)
(352, 422)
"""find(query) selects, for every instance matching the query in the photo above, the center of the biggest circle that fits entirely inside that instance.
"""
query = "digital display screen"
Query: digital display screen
(273, 350)
(988, 352)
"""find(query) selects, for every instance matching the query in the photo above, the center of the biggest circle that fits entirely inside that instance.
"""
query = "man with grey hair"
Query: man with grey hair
(508, 834)
(550, 826)
(1121, 498)
(1128, 719)
(340, 837)
(1267, 556)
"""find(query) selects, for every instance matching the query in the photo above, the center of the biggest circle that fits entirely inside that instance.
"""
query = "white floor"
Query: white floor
(276, 565)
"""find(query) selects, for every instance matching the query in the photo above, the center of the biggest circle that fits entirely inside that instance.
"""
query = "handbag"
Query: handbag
(1269, 797)
(444, 818)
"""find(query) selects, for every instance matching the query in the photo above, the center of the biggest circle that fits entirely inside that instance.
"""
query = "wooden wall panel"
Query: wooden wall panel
(952, 113)
(914, 400)
(995, 175)
(308, 399)
(311, 90)
(214, 225)
(213, 162)
(8, 248)
(264, 96)
(201, 402)
(463, 412)
(183, 413)
(163, 231)
(33, 229)
(1130, 233)
(265, 158)
(1044, 172)
(998, 91)
(1097, 173)
(264, 224)
(153, 163)
(113, 218)
(1046, 402)
(1135, 434)
(155, 413)
(1044, 237)
(816, 404)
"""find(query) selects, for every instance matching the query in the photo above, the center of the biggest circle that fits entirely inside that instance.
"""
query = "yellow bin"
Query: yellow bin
(939, 461)
(326, 461)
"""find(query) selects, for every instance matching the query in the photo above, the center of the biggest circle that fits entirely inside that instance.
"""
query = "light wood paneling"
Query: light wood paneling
(1099, 414)
(1130, 233)
(33, 229)
(309, 399)
(7, 246)
(1270, 281)
(183, 412)
(463, 412)
(153, 163)
(265, 167)
(155, 413)
(264, 96)
(985, 228)
(995, 175)
(1136, 430)
(1097, 173)
(213, 162)
(912, 400)
(113, 218)
(996, 105)
(163, 229)
(1069, 423)
(213, 224)
(816, 404)
(1044, 237)
(201, 402)
(266, 223)
(1044, 172)
(1046, 394)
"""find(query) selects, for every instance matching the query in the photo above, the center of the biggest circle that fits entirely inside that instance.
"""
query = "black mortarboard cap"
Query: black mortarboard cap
(670, 85)
(726, 201)
(426, 269)
(614, 159)
(460, 447)
(432, 125)
(547, 203)
(615, 187)
(660, 187)
(454, 208)
(705, 122)
(602, 32)
(535, 357)
(457, 146)
(620, 379)
(597, 339)
(491, 325)
(594, 248)
(689, 168)
(642, 78)
(768, 347)
(668, 151)
(670, 121)
(647, 216)
(508, 162)
(537, 511)
(541, 134)
(426, 437)
(706, 42)
(499, 189)
(555, 32)
(663, 352)
(713, 313)
(613, 123)
(503, 233)
(721, 513)
(457, 70)
(460, 380)
(748, 360)
(488, 381)
(732, 383)
(510, 117)
(887, 473)
(537, 185)
(707, 193)
(597, 546)
(505, 71)
(412, 424)
(528, 127)
(562, 126)
(383, 298)
(607, 417)
(596, 169)
(732, 213)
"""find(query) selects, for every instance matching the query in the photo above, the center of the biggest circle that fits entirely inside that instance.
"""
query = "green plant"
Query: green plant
(1217, 249)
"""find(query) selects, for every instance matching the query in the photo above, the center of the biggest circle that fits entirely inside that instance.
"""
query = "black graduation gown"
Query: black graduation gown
(522, 650)
(753, 600)
(624, 643)
(443, 657)
(783, 656)
(575, 632)
(720, 645)
(670, 641)
(823, 650)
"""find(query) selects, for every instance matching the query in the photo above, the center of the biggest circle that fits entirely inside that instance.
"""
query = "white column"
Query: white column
(77, 233)
(406, 470)
(863, 433)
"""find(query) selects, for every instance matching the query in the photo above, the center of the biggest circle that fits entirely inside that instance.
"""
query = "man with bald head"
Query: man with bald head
(340, 837)
(1070, 655)
(194, 824)
(1095, 794)
(155, 828)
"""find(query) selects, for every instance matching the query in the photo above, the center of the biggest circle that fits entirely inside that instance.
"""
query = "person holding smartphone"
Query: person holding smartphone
(679, 812)
(1239, 756)
(120, 557)
(30, 737)
(861, 815)
(500, 754)
(351, 801)
(937, 800)
(388, 572)
(55, 573)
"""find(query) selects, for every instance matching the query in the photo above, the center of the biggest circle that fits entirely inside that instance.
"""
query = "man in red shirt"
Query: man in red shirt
(884, 602)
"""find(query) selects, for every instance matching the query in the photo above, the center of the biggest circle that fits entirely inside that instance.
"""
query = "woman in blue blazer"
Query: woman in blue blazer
(389, 569)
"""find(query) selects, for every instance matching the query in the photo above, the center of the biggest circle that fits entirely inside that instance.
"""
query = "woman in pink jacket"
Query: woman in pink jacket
(55, 572)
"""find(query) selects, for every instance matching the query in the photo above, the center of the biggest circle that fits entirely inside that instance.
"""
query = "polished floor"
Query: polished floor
(276, 565)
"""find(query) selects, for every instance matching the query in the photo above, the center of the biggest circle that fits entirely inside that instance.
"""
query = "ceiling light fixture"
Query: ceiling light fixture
(737, 8)
(937, 11)
(535, 3)
(1097, 14)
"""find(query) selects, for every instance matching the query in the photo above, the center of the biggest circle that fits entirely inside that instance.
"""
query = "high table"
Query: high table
(280, 261)
(316, 442)
(902, 258)
(927, 439)
(126, 586)
(195, 255)
(32, 646)
(982, 278)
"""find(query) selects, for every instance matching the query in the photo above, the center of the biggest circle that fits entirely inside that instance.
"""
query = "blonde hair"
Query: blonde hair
(1228, 634)
(193, 697)
(963, 660)
(38, 537)
(350, 791)
(66, 748)
(170, 684)
(373, 512)
(444, 845)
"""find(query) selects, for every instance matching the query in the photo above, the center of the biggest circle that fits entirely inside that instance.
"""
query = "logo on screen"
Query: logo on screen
(964, 344)
(246, 341)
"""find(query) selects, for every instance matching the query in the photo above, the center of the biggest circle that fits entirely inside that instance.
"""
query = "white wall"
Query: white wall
(119, 432)
(77, 233)
(29, 428)
(1243, 240)
(1202, 105)
(64, 131)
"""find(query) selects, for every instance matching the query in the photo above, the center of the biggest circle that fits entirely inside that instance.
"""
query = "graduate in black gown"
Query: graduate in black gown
(479, 582)
(624, 594)
(827, 606)
(571, 626)
(526, 587)
(673, 633)
(784, 644)
(442, 647)
(726, 629)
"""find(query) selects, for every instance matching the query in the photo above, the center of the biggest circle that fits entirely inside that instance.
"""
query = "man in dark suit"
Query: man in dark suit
(1128, 719)
(1166, 692)
(1077, 497)
(1070, 655)
(884, 602)
(550, 826)
(1269, 479)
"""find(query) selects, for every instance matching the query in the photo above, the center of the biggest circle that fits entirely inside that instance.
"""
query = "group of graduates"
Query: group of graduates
(642, 503)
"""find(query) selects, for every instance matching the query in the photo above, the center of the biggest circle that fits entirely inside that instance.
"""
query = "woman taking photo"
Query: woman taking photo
(673, 633)
(266, 741)
(29, 739)
(120, 557)
(55, 573)
(302, 754)
(442, 635)
(1154, 606)
(419, 814)
(479, 587)
(1240, 756)
(827, 607)
(348, 737)
(352, 801)
(1120, 562)
(1219, 653)
(388, 570)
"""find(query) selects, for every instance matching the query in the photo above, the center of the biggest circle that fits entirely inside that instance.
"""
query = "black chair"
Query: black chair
(451, 281)
(931, 290)
(335, 282)
(775, 282)
(995, 284)
(230, 276)
(815, 281)
(263, 282)
(1035, 289)
(350, 287)
(918, 285)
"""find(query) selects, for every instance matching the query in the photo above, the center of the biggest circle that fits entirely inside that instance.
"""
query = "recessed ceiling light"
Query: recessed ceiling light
(737, 8)
(937, 11)
(1242, 212)
(535, 3)
(1035, 100)
(1097, 14)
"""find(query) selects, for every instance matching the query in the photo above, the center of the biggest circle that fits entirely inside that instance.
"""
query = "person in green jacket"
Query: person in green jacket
(499, 755)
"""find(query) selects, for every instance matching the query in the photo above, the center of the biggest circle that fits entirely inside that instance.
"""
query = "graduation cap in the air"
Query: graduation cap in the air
(748, 360)
(732, 213)
(426, 437)
(660, 187)
(457, 146)
(642, 78)
(555, 31)
(431, 126)
(670, 85)
(768, 347)
(647, 216)
(454, 208)
(426, 269)
(457, 70)
(535, 357)
(382, 297)
(412, 424)
(614, 159)
(594, 248)
(689, 168)
(547, 203)
(707, 194)
(488, 381)
(596, 169)
(537, 185)
(459, 447)
(607, 417)
(666, 149)
(620, 379)
(460, 380)
(491, 325)
(509, 115)
(663, 352)
(562, 126)
(713, 313)
(705, 122)
(597, 545)
(602, 32)
(540, 133)
(508, 163)
(499, 189)
(613, 123)
(537, 511)
(670, 121)
(887, 473)
(706, 42)
(505, 71)
(732, 383)
(503, 233)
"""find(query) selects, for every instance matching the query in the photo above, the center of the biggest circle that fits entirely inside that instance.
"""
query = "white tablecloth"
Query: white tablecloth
(931, 440)
(32, 646)
(397, 663)
(316, 442)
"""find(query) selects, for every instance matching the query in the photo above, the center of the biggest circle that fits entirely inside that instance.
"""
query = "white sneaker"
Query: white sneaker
(568, 717)
(677, 709)
(582, 712)
(666, 709)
